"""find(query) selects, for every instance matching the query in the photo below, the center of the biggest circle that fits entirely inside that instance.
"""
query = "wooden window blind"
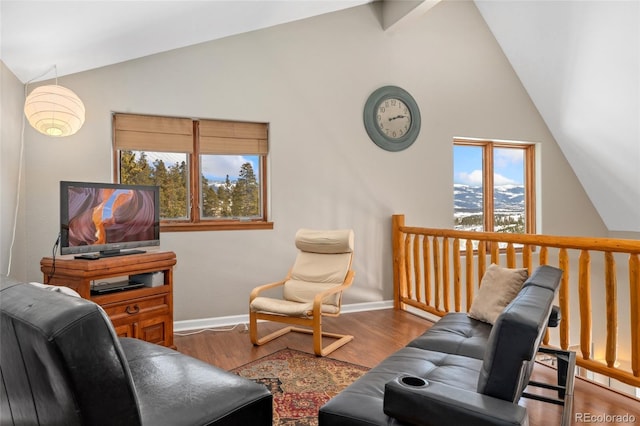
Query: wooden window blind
(152, 133)
(232, 138)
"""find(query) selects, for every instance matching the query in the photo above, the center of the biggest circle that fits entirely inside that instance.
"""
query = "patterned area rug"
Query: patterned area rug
(300, 383)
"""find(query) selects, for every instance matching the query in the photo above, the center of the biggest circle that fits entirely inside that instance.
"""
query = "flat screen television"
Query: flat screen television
(107, 219)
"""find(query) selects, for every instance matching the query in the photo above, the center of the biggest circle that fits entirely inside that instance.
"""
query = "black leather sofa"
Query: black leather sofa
(459, 372)
(61, 363)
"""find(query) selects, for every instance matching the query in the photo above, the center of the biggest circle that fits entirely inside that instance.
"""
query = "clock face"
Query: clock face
(393, 118)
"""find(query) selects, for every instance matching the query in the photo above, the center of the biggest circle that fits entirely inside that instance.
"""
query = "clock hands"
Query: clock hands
(396, 117)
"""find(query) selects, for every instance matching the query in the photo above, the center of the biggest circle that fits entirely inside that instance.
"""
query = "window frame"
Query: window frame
(488, 147)
(195, 222)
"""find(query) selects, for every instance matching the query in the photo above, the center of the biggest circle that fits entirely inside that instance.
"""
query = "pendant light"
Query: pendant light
(54, 110)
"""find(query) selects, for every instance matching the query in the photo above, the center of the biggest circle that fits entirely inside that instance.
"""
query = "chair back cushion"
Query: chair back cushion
(325, 242)
(323, 262)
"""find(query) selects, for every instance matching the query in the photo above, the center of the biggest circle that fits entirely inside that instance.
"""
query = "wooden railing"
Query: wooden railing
(434, 274)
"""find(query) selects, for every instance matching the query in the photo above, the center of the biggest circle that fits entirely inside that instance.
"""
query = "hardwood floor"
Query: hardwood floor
(380, 333)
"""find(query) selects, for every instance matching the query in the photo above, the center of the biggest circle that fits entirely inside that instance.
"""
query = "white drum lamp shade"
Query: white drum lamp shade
(54, 110)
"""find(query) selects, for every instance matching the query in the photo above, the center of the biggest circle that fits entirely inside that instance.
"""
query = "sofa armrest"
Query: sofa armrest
(175, 389)
(412, 400)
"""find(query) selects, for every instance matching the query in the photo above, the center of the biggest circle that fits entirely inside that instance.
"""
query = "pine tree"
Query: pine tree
(224, 198)
(245, 193)
(135, 172)
(210, 203)
(175, 185)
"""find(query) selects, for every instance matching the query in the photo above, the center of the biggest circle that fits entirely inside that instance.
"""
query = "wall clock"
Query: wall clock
(392, 118)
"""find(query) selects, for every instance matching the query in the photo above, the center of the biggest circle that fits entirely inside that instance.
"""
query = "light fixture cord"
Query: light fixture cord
(20, 161)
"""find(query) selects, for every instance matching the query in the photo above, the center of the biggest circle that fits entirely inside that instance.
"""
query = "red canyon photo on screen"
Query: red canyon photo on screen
(98, 217)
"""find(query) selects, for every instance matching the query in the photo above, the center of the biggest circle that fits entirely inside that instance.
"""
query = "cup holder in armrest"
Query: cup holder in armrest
(405, 399)
(413, 382)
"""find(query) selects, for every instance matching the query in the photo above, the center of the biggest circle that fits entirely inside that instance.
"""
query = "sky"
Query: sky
(467, 165)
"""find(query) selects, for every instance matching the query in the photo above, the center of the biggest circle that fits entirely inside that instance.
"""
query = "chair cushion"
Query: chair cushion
(321, 268)
(327, 242)
(455, 333)
(497, 289)
(313, 272)
(285, 307)
(304, 292)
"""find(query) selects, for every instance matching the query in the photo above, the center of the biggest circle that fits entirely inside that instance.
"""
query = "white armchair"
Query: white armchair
(312, 289)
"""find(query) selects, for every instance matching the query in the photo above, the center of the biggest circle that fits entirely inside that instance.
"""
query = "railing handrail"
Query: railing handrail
(428, 273)
(568, 242)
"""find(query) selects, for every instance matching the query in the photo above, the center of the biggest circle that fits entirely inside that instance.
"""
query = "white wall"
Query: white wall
(11, 103)
(309, 80)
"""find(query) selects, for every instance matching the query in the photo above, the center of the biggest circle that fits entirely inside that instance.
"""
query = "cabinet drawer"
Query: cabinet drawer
(155, 330)
(125, 330)
(137, 306)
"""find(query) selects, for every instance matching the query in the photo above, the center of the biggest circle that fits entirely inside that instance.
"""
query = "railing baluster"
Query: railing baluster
(469, 276)
(527, 262)
(417, 273)
(544, 255)
(611, 285)
(495, 252)
(584, 292)
(634, 307)
(511, 256)
(543, 259)
(407, 265)
(446, 281)
(563, 296)
(436, 272)
(397, 221)
(456, 275)
(426, 256)
(482, 260)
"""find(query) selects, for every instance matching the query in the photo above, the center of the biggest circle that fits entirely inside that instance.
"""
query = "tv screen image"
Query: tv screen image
(106, 217)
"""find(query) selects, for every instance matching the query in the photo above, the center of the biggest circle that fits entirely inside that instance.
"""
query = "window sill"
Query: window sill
(215, 226)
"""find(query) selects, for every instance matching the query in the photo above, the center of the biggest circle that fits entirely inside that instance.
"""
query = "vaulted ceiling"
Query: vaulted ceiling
(580, 64)
(578, 60)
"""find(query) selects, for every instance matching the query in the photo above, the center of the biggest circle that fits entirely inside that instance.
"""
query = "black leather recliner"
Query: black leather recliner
(61, 363)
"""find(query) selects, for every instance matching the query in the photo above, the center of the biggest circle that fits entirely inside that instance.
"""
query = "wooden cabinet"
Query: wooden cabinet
(144, 313)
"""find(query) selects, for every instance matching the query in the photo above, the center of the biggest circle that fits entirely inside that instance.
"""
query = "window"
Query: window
(211, 173)
(494, 187)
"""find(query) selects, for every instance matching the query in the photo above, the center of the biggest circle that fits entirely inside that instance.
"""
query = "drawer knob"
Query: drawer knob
(135, 309)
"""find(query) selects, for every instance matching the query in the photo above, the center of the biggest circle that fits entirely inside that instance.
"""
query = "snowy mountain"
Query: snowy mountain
(508, 199)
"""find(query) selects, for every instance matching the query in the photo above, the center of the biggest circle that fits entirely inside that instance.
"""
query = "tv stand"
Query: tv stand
(145, 313)
(108, 253)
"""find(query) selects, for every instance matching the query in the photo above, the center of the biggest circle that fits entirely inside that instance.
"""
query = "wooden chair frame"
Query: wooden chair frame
(313, 324)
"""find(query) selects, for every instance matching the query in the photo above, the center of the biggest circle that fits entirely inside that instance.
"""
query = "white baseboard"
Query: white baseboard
(426, 315)
(233, 320)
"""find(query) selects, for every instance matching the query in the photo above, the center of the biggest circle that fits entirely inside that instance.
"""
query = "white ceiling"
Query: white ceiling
(579, 61)
(83, 34)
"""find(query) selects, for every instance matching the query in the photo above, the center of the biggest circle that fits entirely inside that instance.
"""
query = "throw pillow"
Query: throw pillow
(499, 286)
